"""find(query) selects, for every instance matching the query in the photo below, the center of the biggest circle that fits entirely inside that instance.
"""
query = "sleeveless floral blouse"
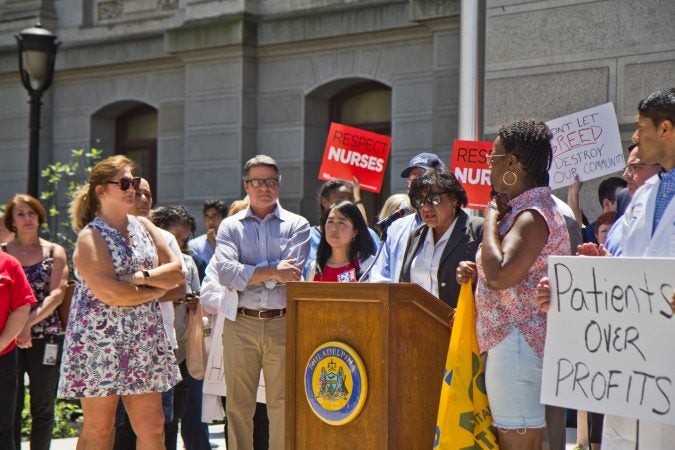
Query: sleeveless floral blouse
(117, 350)
(499, 312)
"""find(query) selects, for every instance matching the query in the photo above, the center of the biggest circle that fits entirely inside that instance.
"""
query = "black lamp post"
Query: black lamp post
(37, 54)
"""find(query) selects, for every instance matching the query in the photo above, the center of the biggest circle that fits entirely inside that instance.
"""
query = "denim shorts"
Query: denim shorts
(513, 382)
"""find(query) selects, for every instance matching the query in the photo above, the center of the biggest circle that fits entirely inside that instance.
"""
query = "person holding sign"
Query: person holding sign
(522, 228)
(447, 237)
(345, 248)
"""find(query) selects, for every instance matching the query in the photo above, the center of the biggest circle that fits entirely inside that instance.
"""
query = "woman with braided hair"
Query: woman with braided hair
(522, 228)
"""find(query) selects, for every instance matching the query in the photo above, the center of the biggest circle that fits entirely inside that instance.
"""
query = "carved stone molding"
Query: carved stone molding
(167, 5)
(111, 9)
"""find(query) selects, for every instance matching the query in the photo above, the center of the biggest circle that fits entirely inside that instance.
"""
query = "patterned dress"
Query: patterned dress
(117, 350)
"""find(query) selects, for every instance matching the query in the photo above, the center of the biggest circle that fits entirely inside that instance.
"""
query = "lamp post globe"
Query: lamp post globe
(37, 55)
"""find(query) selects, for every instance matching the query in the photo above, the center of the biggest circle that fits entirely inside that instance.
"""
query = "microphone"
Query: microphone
(384, 223)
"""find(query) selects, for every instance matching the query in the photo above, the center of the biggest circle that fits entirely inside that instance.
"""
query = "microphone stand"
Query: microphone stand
(383, 238)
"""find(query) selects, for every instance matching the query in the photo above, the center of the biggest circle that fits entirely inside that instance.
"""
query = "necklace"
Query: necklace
(24, 250)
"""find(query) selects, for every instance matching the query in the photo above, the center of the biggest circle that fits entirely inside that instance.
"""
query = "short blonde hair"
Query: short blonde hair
(238, 205)
(393, 203)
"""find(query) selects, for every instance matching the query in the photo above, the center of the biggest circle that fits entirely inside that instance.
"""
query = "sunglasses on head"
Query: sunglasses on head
(126, 183)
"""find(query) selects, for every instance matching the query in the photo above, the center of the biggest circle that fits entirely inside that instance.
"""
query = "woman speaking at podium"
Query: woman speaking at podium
(447, 237)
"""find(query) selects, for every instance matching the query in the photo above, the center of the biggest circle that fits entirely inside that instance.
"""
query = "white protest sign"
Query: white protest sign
(586, 143)
(610, 334)
(214, 378)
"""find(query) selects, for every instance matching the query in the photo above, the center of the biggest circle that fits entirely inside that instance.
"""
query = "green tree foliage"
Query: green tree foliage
(63, 181)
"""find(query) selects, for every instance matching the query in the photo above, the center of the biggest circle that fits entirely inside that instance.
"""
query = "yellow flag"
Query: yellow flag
(464, 420)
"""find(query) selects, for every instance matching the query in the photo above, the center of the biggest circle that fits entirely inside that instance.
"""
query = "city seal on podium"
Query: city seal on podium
(336, 383)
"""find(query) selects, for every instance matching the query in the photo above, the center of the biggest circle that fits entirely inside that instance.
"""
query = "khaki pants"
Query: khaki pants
(250, 344)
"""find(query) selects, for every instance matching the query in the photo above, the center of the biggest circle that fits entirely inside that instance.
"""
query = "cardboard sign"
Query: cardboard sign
(469, 165)
(610, 337)
(586, 143)
(351, 152)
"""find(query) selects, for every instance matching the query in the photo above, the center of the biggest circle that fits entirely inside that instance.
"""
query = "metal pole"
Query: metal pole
(34, 143)
(471, 69)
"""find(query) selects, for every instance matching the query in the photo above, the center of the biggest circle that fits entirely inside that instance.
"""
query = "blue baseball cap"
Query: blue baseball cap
(423, 161)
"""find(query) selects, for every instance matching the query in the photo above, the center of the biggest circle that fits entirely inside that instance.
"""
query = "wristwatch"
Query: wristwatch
(146, 275)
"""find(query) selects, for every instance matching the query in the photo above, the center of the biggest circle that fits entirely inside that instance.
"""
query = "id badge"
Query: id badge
(51, 353)
(347, 277)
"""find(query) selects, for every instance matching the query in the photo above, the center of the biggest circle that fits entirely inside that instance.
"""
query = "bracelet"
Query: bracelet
(146, 275)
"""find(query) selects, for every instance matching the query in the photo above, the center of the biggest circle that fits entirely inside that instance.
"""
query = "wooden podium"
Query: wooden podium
(400, 332)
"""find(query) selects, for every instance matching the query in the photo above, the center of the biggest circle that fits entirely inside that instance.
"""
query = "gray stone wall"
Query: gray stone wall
(232, 78)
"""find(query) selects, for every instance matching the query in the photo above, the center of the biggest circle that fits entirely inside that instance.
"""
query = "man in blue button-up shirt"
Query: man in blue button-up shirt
(258, 250)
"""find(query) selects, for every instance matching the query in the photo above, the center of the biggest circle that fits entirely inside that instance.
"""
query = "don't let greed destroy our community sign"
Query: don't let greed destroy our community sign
(610, 337)
(587, 144)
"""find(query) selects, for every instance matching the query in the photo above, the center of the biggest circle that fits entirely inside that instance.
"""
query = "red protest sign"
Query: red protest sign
(469, 165)
(351, 152)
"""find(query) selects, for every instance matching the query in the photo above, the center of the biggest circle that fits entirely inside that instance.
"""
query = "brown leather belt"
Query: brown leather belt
(262, 313)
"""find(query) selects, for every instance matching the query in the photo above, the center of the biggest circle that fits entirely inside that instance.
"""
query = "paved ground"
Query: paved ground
(218, 438)
(216, 431)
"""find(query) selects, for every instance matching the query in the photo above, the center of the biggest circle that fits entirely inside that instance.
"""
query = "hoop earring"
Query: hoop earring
(515, 178)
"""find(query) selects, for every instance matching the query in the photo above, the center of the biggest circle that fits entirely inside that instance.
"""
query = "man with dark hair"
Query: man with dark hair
(648, 227)
(258, 250)
(203, 246)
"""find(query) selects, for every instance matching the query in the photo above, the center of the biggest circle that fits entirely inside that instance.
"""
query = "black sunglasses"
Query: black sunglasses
(126, 183)
(433, 198)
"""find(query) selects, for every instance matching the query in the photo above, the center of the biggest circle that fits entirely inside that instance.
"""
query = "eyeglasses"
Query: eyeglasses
(126, 183)
(490, 156)
(257, 182)
(636, 168)
(434, 199)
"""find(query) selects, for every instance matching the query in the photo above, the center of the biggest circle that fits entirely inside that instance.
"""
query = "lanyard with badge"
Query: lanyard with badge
(51, 354)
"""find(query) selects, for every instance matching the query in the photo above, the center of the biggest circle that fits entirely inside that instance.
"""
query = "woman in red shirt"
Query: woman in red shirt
(16, 298)
(345, 247)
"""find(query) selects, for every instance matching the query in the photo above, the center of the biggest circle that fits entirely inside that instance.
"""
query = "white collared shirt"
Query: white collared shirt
(424, 267)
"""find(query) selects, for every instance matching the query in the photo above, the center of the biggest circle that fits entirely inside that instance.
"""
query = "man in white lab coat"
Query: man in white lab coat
(649, 231)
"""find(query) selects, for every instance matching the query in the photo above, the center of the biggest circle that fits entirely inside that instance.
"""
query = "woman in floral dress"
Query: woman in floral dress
(115, 345)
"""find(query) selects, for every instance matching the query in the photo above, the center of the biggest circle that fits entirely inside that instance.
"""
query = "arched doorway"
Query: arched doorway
(129, 128)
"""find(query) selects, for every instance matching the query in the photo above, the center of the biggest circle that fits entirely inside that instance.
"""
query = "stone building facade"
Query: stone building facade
(196, 87)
